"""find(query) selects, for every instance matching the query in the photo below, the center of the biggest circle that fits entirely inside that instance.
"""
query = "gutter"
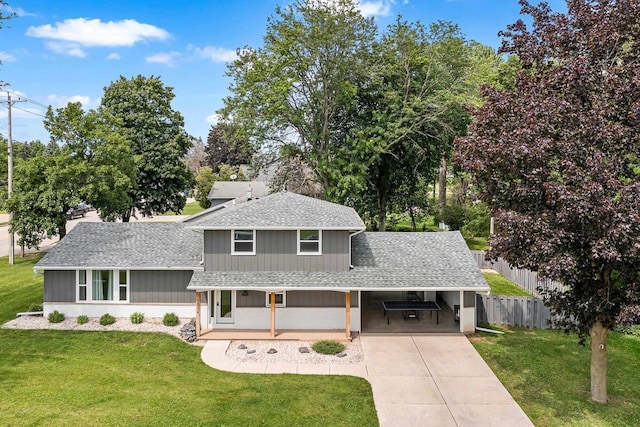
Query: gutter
(350, 236)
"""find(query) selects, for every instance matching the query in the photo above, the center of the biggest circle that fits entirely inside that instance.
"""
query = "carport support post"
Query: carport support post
(198, 302)
(461, 311)
(272, 297)
(347, 298)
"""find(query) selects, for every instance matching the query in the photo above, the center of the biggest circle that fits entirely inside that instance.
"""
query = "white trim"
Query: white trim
(319, 252)
(268, 228)
(284, 298)
(111, 267)
(337, 288)
(216, 318)
(253, 242)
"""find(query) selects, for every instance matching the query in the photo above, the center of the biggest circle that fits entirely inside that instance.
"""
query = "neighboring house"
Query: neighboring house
(227, 191)
(280, 262)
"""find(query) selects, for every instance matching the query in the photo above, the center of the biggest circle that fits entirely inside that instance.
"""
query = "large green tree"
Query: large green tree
(558, 159)
(159, 143)
(299, 90)
(227, 145)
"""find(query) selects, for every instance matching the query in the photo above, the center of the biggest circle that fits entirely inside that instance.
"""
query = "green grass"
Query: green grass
(19, 285)
(477, 243)
(189, 209)
(500, 285)
(547, 373)
(73, 378)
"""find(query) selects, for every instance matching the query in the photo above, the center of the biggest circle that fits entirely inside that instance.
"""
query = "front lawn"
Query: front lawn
(500, 285)
(189, 209)
(547, 372)
(123, 378)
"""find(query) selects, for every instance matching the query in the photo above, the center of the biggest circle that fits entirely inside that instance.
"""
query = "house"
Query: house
(280, 262)
(227, 191)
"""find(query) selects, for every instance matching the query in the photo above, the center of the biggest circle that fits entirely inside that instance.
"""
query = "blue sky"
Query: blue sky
(64, 50)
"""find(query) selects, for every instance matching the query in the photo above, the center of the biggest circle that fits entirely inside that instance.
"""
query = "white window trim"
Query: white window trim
(284, 298)
(116, 286)
(319, 243)
(233, 246)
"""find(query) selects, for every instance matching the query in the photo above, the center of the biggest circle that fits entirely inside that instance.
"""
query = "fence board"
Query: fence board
(527, 312)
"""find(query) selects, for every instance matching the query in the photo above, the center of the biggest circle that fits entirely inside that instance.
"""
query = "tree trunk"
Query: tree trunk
(382, 210)
(126, 215)
(442, 184)
(62, 230)
(599, 363)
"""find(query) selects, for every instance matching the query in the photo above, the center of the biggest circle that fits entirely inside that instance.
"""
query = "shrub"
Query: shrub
(35, 307)
(107, 319)
(629, 315)
(137, 318)
(56, 317)
(170, 319)
(327, 347)
(82, 319)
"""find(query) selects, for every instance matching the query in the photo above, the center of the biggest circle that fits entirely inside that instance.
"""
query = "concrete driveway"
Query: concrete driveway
(437, 380)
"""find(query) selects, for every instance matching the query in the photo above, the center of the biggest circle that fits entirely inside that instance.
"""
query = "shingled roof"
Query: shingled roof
(234, 189)
(381, 261)
(111, 245)
(280, 211)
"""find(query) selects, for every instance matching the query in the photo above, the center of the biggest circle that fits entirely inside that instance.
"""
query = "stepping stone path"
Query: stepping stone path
(341, 355)
(251, 351)
(303, 350)
(272, 351)
(242, 347)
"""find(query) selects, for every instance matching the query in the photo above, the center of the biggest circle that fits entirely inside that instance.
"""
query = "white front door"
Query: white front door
(224, 305)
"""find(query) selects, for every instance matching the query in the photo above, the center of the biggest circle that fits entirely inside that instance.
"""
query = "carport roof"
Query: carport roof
(381, 261)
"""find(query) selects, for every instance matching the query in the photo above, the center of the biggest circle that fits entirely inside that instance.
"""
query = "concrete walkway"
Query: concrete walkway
(438, 380)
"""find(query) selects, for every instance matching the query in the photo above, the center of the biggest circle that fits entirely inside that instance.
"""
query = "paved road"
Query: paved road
(48, 243)
(438, 380)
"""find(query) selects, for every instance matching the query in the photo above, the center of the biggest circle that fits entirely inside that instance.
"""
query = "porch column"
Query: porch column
(198, 302)
(347, 298)
(461, 311)
(273, 314)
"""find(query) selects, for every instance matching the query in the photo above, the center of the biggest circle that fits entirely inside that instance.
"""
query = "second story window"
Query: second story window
(309, 242)
(243, 242)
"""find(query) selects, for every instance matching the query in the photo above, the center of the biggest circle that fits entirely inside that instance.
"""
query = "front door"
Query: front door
(224, 304)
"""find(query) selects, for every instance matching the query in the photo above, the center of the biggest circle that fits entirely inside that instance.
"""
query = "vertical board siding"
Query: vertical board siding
(60, 286)
(528, 312)
(526, 279)
(252, 299)
(276, 250)
(161, 286)
(298, 299)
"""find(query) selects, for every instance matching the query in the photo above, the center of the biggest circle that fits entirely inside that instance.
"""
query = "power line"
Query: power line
(29, 111)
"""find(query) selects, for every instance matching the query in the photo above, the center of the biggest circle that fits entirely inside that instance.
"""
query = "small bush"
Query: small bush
(82, 319)
(327, 347)
(170, 319)
(137, 318)
(35, 307)
(56, 317)
(107, 319)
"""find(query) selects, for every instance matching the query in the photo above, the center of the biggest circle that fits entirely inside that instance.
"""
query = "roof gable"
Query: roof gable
(283, 210)
(235, 189)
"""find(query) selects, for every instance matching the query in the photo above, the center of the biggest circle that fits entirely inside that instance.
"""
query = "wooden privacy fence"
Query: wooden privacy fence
(528, 312)
(526, 279)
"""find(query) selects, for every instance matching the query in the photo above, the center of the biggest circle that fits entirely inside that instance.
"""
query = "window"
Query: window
(243, 242)
(105, 285)
(309, 242)
(281, 299)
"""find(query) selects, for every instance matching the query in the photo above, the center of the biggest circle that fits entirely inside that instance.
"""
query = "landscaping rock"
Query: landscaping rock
(242, 347)
(341, 354)
(303, 349)
(272, 351)
(188, 331)
(251, 351)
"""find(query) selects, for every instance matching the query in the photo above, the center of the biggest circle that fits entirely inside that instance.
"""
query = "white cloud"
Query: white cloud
(376, 8)
(70, 36)
(6, 57)
(213, 119)
(113, 56)
(166, 58)
(66, 48)
(58, 101)
(214, 53)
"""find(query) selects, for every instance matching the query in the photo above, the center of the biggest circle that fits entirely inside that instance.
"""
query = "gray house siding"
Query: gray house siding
(298, 299)
(60, 286)
(276, 251)
(161, 286)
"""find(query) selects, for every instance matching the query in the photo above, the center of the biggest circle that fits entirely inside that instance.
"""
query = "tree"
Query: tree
(227, 145)
(299, 90)
(159, 143)
(557, 158)
(206, 179)
(196, 156)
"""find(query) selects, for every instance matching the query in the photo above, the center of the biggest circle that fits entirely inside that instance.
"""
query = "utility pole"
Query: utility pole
(10, 172)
